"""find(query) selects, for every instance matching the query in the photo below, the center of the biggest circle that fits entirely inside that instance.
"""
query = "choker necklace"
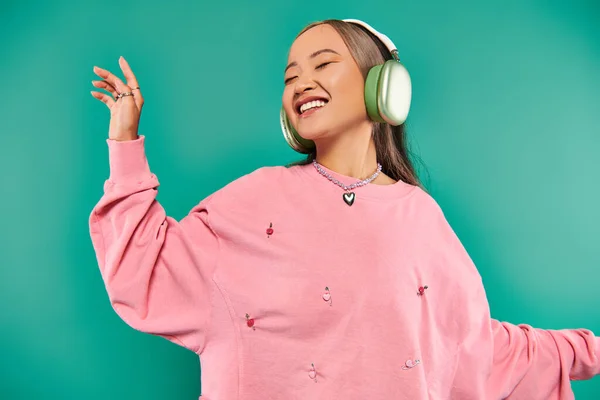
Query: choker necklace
(349, 196)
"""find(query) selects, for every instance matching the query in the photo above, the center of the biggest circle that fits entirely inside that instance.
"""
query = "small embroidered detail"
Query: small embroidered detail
(312, 374)
(250, 322)
(327, 296)
(409, 364)
(270, 230)
(421, 291)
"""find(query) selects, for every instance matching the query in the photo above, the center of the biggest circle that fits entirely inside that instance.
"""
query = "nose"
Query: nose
(303, 84)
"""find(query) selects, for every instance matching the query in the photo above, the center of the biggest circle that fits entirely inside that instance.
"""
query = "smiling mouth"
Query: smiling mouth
(311, 107)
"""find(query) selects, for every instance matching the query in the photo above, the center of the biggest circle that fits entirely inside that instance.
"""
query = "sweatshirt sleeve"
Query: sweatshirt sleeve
(531, 363)
(156, 270)
(500, 360)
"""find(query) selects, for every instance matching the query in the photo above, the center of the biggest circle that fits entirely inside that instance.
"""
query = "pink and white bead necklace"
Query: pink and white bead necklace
(349, 196)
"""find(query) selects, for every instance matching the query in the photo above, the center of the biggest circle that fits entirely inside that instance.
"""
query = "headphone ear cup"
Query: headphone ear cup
(292, 137)
(394, 92)
(372, 93)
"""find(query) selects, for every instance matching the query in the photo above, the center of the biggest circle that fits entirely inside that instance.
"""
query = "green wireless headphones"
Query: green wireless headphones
(387, 94)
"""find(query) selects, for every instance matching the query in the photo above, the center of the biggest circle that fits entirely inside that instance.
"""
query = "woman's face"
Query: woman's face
(322, 71)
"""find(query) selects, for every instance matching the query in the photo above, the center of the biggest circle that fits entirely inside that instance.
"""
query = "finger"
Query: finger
(112, 79)
(106, 86)
(131, 81)
(103, 97)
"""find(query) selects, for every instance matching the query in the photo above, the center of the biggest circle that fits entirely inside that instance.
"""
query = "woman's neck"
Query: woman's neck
(352, 154)
(350, 157)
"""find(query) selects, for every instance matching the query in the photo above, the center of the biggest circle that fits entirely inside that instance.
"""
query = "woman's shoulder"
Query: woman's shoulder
(265, 176)
(258, 182)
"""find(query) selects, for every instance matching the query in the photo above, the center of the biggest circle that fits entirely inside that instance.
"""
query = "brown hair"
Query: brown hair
(390, 141)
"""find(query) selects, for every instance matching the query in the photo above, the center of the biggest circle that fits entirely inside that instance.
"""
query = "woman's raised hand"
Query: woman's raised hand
(125, 111)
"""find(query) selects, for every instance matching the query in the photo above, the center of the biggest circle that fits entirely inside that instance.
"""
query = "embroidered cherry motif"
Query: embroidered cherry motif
(410, 364)
(250, 322)
(270, 230)
(327, 296)
(312, 374)
(421, 291)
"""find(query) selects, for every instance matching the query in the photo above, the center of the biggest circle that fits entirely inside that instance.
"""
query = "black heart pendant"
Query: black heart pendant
(349, 198)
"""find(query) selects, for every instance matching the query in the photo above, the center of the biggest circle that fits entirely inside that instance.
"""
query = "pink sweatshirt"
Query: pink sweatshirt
(285, 292)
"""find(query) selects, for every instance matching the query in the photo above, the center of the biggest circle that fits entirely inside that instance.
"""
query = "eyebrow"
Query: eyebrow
(313, 55)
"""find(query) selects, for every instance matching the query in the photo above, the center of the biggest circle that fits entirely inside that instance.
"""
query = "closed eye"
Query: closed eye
(320, 66)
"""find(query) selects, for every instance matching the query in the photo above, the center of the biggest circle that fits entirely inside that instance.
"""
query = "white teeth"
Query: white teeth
(311, 104)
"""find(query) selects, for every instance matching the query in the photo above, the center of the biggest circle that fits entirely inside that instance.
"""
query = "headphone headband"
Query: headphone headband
(386, 40)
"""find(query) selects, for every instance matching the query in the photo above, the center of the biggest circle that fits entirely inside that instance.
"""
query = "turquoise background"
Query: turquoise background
(505, 118)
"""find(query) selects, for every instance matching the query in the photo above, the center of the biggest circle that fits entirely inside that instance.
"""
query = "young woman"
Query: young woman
(338, 278)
